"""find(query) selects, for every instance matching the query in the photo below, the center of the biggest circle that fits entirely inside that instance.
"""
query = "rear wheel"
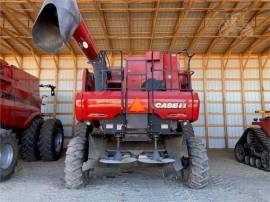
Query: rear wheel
(51, 140)
(75, 157)
(8, 154)
(196, 174)
(29, 142)
(83, 153)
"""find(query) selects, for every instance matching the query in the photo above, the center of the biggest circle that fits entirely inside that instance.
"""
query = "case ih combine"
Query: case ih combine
(21, 118)
(141, 111)
(253, 148)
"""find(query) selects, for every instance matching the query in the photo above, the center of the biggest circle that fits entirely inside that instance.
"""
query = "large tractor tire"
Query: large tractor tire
(51, 140)
(196, 174)
(29, 142)
(83, 153)
(8, 154)
(75, 157)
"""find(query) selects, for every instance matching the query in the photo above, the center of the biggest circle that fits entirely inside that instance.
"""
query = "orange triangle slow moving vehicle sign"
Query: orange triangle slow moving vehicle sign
(136, 106)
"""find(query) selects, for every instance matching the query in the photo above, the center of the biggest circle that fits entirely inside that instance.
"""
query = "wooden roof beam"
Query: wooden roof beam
(71, 48)
(19, 40)
(266, 51)
(255, 44)
(244, 36)
(10, 21)
(129, 30)
(116, 37)
(10, 47)
(17, 56)
(220, 33)
(180, 22)
(206, 20)
(258, 41)
(119, 1)
(154, 22)
(104, 24)
(231, 26)
(27, 13)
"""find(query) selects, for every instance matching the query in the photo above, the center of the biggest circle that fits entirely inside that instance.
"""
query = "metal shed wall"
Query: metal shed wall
(230, 89)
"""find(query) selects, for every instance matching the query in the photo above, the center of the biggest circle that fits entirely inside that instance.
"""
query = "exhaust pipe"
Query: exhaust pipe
(57, 22)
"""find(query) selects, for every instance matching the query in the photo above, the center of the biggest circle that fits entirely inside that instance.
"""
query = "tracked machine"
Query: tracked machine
(253, 148)
(21, 121)
(140, 111)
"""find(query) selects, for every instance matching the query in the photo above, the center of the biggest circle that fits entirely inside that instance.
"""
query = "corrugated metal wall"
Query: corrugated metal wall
(230, 91)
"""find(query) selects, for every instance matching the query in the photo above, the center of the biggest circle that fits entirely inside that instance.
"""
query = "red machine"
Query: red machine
(253, 148)
(21, 115)
(145, 105)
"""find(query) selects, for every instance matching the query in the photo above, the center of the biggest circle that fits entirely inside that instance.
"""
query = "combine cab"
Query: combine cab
(21, 119)
(140, 111)
(253, 148)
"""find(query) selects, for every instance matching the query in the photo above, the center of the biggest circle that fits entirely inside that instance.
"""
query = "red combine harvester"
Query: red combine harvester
(21, 118)
(146, 105)
(253, 148)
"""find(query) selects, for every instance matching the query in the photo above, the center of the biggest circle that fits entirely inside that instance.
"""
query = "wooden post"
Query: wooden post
(261, 82)
(242, 92)
(205, 65)
(56, 62)
(75, 68)
(37, 60)
(224, 104)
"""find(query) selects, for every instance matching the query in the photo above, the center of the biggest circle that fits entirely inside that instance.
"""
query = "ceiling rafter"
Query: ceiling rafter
(14, 51)
(221, 32)
(119, 1)
(258, 41)
(266, 51)
(243, 35)
(180, 22)
(9, 46)
(129, 30)
(146, 10)
(11, 20)
(253, 45)
(98, 7)
(231, 24)
(14, 37)
(116, 37)
(206, 20)
(27, 13)
(154, 22)
(210, 14)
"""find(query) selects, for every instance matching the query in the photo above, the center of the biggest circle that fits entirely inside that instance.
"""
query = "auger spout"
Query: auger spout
(59, 21)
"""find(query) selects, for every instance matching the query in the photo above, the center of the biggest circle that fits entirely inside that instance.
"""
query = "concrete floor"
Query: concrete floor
(229, 181)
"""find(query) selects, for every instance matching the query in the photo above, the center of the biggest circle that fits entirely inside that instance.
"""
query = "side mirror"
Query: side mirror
(52, 87)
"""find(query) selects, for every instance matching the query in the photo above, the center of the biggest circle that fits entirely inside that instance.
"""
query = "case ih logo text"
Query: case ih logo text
(170, 105)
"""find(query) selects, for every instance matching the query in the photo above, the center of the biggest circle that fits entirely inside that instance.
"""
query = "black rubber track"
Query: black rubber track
(7, 137)
(258, 137)
(262, 137)
(46, 140)
(29, 142)
(196, 175)
(75, 156)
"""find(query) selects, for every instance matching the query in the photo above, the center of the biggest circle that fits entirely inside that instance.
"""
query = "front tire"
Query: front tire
(196, 174)
(8, 154)
(75, 157)
(51, 140)
(86, 148)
